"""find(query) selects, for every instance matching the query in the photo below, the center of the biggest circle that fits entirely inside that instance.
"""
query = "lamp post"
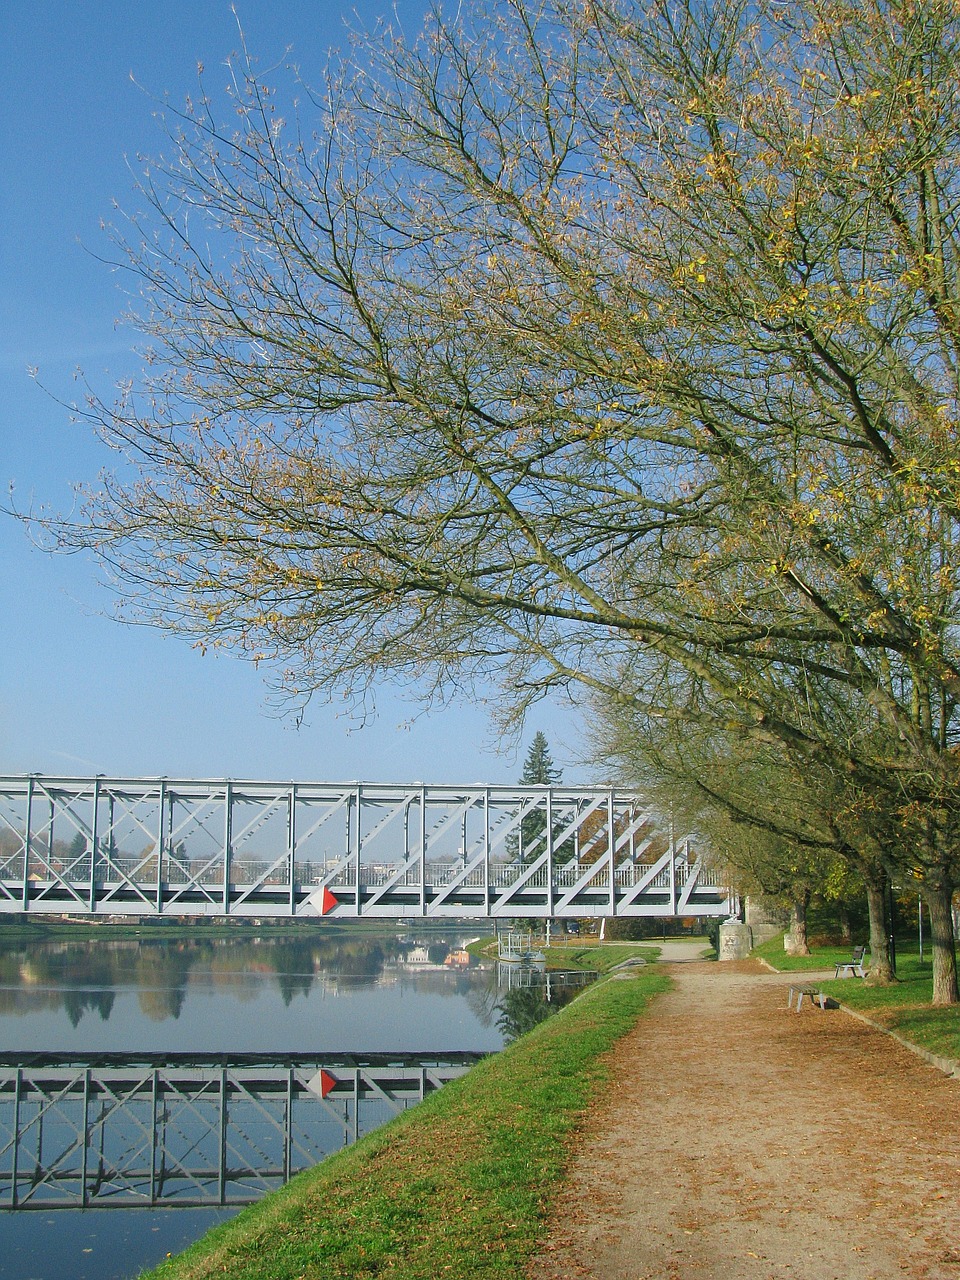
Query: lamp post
(920, 923)
(891, 934)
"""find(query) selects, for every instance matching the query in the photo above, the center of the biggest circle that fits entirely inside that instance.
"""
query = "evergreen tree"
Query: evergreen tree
(538, 771)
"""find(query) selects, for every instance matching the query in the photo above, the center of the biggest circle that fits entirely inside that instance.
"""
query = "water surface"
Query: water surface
(323, 994)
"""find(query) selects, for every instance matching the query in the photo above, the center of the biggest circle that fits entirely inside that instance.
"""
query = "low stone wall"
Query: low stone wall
(765, 921)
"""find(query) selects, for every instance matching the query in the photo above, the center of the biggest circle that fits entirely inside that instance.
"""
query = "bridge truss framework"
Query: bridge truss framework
(161, 846)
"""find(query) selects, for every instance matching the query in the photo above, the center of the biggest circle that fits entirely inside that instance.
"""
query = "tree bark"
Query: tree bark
(795, 943)
(938, 896)
(846, 931)
(881, 967)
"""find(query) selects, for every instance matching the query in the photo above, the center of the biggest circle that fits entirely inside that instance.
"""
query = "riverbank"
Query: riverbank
(458, 1186)
(721, 1136)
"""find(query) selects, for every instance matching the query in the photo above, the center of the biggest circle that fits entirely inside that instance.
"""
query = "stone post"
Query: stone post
(736, 940)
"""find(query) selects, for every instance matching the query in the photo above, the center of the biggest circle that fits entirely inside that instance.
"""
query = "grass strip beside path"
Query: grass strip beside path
(458, 1186)
(819, 958)
(904, 1007)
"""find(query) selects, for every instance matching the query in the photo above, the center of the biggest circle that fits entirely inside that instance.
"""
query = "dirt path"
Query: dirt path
(743, 1141)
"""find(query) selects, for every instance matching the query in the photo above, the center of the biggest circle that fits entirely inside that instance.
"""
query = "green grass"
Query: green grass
(821, 957)
(459, 1186)
(903, 1007)
(602, 956)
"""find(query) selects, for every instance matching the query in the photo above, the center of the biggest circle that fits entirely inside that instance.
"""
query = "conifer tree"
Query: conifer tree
(538, 771)
(538, 768)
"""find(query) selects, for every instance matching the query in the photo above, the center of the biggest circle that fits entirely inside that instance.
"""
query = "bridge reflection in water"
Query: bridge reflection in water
(265, 849)
(537, 977)
(175, 1129)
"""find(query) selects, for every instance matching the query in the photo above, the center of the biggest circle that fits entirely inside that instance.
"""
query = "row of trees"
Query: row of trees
(592, 344)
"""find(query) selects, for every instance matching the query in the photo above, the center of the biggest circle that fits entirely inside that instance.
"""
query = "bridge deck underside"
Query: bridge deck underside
(157, 847)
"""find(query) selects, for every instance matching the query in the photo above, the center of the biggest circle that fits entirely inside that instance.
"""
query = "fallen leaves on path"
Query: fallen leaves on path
(739, 1140)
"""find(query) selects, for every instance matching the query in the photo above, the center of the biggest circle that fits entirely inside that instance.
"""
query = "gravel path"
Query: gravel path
(741, 1140)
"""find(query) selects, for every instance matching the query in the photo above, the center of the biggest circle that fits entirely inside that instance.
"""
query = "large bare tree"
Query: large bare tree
(595, 330)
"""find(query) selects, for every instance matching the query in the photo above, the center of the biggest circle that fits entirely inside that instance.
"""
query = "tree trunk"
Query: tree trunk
(938, 897)
(881, 968)
(846, 930)
(795, 943)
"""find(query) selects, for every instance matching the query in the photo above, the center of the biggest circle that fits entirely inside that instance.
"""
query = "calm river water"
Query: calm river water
(146, 1002)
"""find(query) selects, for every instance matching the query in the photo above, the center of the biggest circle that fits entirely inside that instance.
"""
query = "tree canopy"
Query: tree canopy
(583, 343)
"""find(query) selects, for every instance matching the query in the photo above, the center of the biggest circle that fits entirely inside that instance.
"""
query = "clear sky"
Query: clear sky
(79, 693)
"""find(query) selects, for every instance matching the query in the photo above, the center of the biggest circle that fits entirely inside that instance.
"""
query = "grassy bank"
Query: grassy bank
(600, 957)
(456, 1187)
(820, 957)
(903, 1007)
(590, 955)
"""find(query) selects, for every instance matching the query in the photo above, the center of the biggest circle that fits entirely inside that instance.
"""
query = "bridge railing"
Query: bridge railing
(372, 877)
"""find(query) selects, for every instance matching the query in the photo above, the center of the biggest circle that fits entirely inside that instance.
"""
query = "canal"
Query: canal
(264, 1053)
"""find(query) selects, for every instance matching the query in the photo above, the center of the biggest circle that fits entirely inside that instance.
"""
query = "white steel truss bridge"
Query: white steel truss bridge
(177, 1130)
(161, 846)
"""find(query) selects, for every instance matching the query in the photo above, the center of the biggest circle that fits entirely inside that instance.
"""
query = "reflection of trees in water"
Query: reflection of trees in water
(25, 1000)
(483, 998)
(162, 973)
(292, 962)
(360, 962)
(462, 982)
(84, 977)
(76, 1003)
(24, 987)
(75, 979)
(523, 1008)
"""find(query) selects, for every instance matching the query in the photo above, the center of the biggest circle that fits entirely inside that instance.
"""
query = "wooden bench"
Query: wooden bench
(854, 967)
(814, 994)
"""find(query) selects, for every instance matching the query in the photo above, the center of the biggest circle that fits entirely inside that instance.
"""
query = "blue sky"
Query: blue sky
(79, 693)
